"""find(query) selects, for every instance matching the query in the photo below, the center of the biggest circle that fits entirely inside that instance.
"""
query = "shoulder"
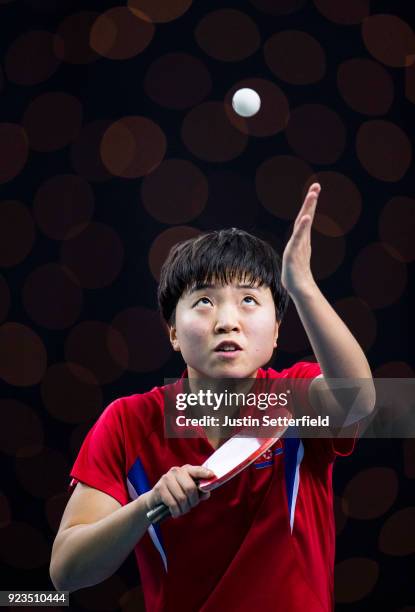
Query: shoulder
(145, 410)
(127, 423)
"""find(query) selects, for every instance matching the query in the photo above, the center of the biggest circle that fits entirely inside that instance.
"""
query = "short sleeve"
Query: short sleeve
(343, 447)
(301, 375)
(303, 369)
(101, 461)
(332, 447)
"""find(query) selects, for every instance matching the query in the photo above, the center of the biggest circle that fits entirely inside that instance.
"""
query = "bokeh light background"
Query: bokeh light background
(117, 139)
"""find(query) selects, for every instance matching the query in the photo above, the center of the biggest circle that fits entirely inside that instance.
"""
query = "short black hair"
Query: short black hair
(221, 256)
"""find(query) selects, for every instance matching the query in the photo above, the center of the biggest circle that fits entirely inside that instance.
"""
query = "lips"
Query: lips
(228, 343)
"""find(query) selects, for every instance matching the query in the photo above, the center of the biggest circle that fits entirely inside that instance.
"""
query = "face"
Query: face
(234, 313)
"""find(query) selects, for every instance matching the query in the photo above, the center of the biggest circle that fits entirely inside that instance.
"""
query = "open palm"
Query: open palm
(296, 272)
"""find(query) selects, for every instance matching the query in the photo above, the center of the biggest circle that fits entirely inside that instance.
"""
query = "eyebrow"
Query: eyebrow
(210, 286)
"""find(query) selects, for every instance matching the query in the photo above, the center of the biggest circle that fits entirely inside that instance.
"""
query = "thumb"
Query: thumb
(303, 224)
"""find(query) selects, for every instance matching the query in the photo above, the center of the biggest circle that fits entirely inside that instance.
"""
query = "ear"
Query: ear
(276, 332)
(173, 338)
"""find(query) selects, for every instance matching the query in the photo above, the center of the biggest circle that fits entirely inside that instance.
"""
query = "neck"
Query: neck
(197, 382)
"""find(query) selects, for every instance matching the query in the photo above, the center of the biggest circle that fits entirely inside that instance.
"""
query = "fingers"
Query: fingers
(300, 229)
(170, 500)
(312, 198)
(197, 471)
(309, 205)
(315, 187)
(188, 491)
(178, 488)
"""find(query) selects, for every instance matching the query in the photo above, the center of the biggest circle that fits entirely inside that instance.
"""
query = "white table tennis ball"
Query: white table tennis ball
(246, 102)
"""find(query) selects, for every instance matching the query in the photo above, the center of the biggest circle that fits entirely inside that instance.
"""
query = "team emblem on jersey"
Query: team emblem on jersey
(266, 459)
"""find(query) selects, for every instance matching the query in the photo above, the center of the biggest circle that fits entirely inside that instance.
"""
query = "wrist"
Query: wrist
(304, 291)
(145, 501)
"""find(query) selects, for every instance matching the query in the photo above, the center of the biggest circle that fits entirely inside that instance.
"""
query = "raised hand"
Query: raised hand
(296, 275)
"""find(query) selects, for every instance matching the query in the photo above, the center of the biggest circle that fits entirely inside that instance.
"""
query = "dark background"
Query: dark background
(92, 198)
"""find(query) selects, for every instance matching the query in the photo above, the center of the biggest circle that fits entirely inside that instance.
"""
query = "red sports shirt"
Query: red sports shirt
(265, 540)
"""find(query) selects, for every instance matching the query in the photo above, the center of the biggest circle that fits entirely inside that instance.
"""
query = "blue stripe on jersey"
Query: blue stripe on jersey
(138, 481)
(294, 452)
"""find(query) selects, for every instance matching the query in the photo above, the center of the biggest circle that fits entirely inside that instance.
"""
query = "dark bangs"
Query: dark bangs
(223, 257)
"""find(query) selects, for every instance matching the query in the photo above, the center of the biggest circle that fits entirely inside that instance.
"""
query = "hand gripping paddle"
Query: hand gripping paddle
(227, 461)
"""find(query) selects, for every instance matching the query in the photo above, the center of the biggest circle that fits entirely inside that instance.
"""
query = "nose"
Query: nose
(226, 320)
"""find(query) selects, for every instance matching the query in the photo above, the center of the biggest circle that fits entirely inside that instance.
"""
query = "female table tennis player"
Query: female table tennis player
(266, 538)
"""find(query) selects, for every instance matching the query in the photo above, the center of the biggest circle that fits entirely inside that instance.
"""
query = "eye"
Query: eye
(200, 300)
(250, 297)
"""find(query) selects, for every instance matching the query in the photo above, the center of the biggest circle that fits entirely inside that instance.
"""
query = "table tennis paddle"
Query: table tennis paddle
(227, 461)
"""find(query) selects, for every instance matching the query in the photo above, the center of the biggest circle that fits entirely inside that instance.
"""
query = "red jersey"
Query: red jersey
(264, 540)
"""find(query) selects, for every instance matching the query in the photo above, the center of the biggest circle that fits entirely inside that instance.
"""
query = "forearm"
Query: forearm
(334, 346)
(336, 350)
(85, 555)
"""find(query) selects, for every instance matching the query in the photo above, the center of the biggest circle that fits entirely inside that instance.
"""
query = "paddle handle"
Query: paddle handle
(157, 514)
